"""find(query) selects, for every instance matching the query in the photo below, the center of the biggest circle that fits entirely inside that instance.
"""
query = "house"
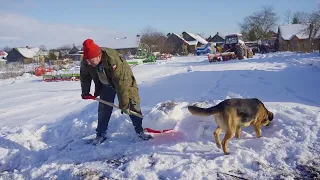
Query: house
(75, 53)
(193, 41)
(218, 38)
(75, 49)
(25, 55)
(295, 37)
(175, 44)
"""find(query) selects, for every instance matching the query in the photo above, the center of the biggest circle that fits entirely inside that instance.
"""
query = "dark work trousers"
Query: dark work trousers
(104, 111)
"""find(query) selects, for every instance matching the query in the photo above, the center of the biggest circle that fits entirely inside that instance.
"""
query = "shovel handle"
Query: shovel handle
(113, 105)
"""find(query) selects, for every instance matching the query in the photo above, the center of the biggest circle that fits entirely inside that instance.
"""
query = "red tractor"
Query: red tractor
(234, 47)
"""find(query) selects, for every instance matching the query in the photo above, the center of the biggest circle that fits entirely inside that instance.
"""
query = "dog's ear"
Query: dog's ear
(270, 115)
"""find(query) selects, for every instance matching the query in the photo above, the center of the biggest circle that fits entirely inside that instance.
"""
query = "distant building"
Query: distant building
(25, 55)
(176, 43)
(75, 53)
(295, 37)
(193, 41)
(218, 38)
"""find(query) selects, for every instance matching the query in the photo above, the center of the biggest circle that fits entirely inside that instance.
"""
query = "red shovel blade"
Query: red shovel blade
(149, 130)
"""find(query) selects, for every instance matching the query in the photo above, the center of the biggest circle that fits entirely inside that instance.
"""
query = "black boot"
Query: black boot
(100, 138)
(144, 136)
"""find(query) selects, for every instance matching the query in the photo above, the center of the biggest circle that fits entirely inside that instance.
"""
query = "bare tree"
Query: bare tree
(64, 47)
(260, 22)
(7, 49)
(301, 17)
(153, 38)
(43, 48)
(287, 15)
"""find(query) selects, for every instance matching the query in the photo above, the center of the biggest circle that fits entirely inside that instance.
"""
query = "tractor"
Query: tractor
(234, 47)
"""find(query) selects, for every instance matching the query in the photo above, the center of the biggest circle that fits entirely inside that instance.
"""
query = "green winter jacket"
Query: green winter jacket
(121, 79)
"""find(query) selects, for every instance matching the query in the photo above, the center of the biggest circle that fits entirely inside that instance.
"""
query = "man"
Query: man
(112, 76)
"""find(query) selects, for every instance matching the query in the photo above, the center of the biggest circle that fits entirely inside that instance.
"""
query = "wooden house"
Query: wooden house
(295, 37)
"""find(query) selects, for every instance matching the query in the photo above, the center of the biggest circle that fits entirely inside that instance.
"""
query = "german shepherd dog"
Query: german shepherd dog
(232, 114)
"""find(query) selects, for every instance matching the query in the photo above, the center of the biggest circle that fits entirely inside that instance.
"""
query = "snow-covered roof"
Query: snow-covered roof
(288, 31)
(179, 36)
(188, 42)
(79, 47)
(192, 42)
(220, 34)
(198, 38)
(28, 52)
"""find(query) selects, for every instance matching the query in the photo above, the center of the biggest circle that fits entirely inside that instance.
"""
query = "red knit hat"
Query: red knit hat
(90, 49)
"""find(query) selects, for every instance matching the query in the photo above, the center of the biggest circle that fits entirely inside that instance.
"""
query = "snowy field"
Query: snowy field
(44, 125)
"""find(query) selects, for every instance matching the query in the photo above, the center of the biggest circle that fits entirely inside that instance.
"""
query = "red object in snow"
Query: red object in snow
(39, 71)
(149, 130)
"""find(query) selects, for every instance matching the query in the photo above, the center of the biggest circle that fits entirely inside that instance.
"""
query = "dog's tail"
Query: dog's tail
(198, 111)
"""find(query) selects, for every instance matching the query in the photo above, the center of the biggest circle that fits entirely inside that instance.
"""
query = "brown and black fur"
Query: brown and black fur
(232, 114)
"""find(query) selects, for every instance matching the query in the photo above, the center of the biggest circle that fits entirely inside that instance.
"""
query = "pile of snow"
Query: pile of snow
(44, 126)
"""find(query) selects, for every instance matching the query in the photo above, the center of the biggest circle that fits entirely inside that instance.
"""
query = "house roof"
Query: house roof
(192, 42)
(79, 47)
(28, 52)
(221, 35)
(197, 37)
(288, 31)
(179, 36)
(195, 42)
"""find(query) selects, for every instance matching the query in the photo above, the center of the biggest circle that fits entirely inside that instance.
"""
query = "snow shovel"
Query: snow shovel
(113, 105)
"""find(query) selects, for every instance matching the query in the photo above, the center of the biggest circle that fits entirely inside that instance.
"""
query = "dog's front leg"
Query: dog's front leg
(257, 129)
(217, 136)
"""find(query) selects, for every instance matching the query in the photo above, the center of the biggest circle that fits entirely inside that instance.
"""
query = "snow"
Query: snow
(29, 52)
(44, 125)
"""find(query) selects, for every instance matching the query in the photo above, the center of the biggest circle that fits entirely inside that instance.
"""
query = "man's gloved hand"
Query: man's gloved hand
(127, 111)
(88, 96)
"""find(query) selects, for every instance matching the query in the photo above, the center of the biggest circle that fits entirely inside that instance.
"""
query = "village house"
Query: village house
(75, 53)
(218, 38)
(176, 44)
(194, 41)
(25, 55)
(295, 37)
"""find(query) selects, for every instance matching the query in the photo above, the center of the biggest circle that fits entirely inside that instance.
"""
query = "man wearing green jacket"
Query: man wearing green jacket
(112, 76)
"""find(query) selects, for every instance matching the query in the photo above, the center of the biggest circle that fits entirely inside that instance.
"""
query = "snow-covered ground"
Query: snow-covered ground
(44, 125)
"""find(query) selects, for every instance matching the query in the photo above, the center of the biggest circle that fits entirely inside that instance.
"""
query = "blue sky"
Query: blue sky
(129, 16)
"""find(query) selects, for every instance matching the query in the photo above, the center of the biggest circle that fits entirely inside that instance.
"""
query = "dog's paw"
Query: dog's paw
(226, 153)
(259, 136)
(218, 145)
